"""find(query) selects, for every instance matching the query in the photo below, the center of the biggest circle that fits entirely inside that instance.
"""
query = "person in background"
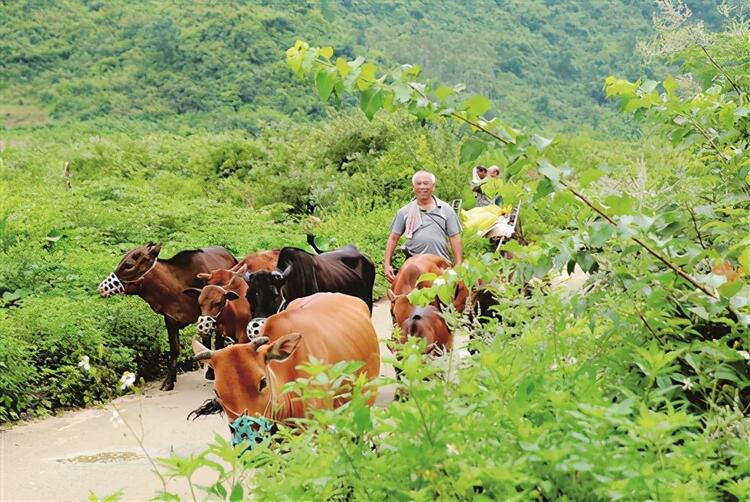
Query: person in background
(429, 224)
(478, 178)
(494, 174)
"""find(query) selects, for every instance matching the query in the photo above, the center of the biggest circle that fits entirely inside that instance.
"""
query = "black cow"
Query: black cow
(300, 274)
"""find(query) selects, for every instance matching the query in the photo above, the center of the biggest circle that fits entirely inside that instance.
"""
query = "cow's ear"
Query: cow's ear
(241, 270)
(283, 347)
(194, 292)
(391, 295)
(231, 295)
(280, 276)
(203, 276)
(461, 296)
(287, 272)
(153, 249)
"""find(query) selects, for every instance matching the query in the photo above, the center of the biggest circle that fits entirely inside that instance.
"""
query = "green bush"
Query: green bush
(62, 233)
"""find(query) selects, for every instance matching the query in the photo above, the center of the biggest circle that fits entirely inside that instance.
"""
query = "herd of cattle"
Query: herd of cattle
(280, 308)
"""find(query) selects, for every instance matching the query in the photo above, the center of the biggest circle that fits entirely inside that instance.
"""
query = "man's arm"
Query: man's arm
(390, 247)
(458, 250)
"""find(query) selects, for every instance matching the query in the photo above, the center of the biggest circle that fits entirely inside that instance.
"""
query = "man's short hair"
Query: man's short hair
(432, 176)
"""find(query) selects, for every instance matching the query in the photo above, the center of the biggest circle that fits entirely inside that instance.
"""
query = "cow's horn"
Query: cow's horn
(202, 356)
(257, 342)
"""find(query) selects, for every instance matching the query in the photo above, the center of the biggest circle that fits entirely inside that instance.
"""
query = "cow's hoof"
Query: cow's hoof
(167, 385)
(210, 374)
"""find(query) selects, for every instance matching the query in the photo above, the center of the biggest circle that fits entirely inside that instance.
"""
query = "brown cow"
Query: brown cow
(330, 327)
(265, 260)
(161, 283)
(224, 308)
(423, 322)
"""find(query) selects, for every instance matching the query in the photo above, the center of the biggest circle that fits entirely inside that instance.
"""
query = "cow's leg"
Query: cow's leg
(173, 332)
(220, 341)
(207, 342)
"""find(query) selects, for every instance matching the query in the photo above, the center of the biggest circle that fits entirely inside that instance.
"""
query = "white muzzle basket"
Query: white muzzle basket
(111, 285)
(253, 327)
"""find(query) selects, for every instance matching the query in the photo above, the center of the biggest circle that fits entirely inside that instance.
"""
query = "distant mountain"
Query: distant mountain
(217, 65)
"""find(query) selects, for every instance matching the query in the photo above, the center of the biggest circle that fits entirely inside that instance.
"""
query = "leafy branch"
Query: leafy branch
(399, 87)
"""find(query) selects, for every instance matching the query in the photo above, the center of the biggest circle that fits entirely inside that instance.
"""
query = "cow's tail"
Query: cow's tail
(209, 407)
(311, 241)
(368, 278)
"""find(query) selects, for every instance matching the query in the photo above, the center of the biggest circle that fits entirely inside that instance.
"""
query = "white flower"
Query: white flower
(452, 450)
(84, 363)
(438, 282)
(687, 384)
(127, 380)
(116, 419)
(744, 354)
(553, 366)
(570, 360)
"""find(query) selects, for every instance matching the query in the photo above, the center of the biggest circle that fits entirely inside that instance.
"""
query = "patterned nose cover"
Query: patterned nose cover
(111, 286)
(206, 324)
(253, 327)
(253, 429)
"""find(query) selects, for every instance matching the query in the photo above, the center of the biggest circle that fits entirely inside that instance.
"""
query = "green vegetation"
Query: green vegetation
(134, 122)
(63, 230)
(635, 387)
(152, 66)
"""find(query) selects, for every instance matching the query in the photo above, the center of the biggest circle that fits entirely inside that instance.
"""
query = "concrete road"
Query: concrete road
(67, 456)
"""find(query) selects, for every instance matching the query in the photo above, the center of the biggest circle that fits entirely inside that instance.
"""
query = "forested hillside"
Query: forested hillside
(219, 65)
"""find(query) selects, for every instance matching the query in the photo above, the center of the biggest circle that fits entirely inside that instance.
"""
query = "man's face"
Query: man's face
(423, 186)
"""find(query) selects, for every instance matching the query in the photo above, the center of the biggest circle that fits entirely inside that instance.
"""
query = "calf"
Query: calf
(224, 307)
(423, 322)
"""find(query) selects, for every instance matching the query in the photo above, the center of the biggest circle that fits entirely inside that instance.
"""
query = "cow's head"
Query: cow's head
(400, 306)
(212, 301)
(264, 291)
(132, 269)
(421, 322)
(245, 382)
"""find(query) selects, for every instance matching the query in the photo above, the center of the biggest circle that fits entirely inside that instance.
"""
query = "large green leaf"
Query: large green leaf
(549, 171)
(324, 82)
(471, 149)
(343, 68)
(371, 101)
(620, 205)
(443, 92)
(599, 233)
(476, 105)
(744, 260)
(366, 76)
(589, 176)
(540, 142)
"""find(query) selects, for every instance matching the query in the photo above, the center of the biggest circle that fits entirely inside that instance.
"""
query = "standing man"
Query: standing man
(428, 223)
